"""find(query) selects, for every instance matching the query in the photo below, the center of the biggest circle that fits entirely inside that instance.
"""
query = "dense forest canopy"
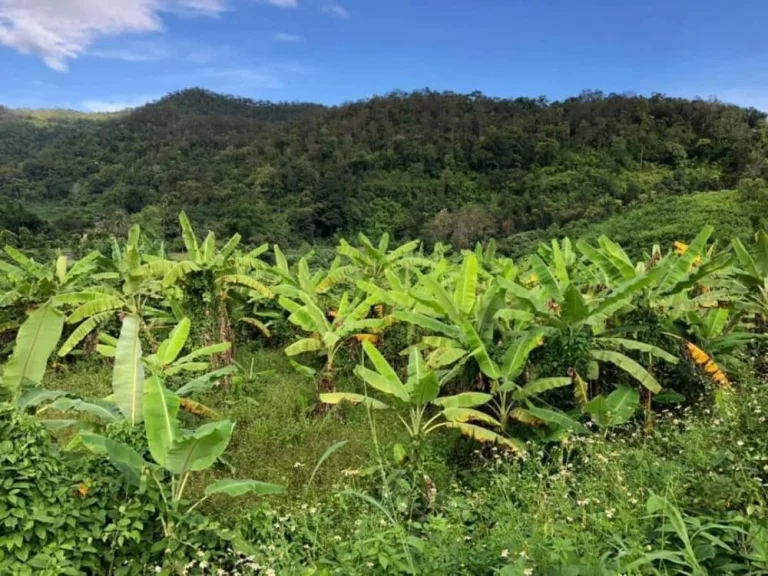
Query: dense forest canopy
(440, 166)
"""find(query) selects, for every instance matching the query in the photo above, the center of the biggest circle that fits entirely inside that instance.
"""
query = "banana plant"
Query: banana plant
(460, 325)
(752, 276)
(514, 401)
(136, 291)
(132, 366)
(570, 316)
(176, 453)
(373, 261)
(682, 270)
(420, 394)
(26, 284)
(223, 279)
(325, 336)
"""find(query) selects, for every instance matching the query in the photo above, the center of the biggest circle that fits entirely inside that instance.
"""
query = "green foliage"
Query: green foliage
(525, 357)
(381, 165)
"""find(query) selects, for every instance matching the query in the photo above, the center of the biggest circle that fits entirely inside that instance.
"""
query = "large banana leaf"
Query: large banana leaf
(761, 253)
(206, 381)
(83, 266)
(558, 418)
(190, 240)
(281, 263)
(558, 259)
(122, 456)
(304, 345)
(128, 375)
(198, 450)
(178, 271)
(574, 309)
(208, 249)
(339, 397)
(611, 272)
(444, 357)
(35, 342)
(248, 282)
(484, 435)
(382, 384)
(428, 323)
(97, 407)
(678, 271)
(233, 242)
(624, 291)
(517, 354)
(217, 348)
(445, 304)
(33, 397)
(614, 410)
(170, 348)
(479, 352)
(463, 400)
(61, 269)
(95, 307)
(469, 415)
(425, 389)
(629, 366)
(641, 347)
(745, 258)
(30, 266)
(236, 488)
(466, 285)
(341, 275)
(546, 279)
(83, 329)
(539, 386)
(160, 410)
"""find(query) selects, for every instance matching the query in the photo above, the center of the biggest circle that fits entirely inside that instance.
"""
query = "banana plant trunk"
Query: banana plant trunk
(225, 335)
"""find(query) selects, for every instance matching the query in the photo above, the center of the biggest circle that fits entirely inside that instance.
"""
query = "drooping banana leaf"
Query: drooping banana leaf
(35, 341)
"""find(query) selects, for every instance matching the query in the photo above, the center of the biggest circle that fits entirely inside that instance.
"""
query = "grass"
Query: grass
(579, 507)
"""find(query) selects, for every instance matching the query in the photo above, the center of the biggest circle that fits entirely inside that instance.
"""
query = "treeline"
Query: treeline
(438, 166)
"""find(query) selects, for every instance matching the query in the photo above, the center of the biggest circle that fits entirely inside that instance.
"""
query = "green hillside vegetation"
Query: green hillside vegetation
(392, 409)
(664, 220)
(437, 166)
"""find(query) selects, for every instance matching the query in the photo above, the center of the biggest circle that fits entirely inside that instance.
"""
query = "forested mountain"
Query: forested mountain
(440, 166)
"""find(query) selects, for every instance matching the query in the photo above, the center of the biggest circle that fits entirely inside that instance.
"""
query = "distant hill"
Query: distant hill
(441, 166)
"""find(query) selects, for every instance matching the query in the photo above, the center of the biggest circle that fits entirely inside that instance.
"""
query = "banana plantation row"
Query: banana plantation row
(570, 338)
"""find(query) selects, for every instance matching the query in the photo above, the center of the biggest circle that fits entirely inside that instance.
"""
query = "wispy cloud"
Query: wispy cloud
(283, 3)
(117, 104)
(285, 37)
(61, 30)
(336, 9)
(135, 52)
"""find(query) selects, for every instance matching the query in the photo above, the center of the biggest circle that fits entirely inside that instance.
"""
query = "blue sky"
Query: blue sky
(108, 54)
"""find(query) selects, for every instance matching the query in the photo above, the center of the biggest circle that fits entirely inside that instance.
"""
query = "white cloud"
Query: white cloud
(116, 105)
(285, 37)
(336, 9)
(61, 30)
(283, 3)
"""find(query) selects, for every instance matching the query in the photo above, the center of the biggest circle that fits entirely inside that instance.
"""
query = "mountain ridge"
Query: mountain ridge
(438, 165)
